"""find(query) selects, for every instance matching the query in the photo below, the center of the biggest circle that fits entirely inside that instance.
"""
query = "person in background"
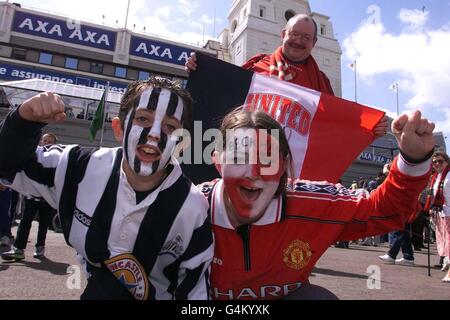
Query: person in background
(438, 203)
(33, 206)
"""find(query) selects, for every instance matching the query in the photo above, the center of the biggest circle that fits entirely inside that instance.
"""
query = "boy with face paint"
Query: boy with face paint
(270, 232)
(140, 228)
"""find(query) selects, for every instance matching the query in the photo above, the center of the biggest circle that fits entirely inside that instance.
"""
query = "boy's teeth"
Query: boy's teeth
(148, 150)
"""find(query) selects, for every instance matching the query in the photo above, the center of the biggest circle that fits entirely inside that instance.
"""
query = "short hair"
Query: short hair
(300, 17)
(136, 88)
(55, 139)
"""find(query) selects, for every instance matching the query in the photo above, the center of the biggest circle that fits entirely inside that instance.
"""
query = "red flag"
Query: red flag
(326, 134)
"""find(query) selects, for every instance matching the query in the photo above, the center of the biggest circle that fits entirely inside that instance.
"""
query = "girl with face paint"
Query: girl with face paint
(270, 231)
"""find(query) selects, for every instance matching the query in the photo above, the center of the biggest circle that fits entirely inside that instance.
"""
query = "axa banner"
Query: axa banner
(69, 30)
(367, 156)
(160, 51)
(10, 72)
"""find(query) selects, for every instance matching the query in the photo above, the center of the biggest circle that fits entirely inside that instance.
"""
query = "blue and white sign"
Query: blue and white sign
(367, 156)
(160, 51)
(10, 72)
(70, 31)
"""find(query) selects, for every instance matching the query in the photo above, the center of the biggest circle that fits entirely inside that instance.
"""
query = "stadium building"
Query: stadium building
(77, 59)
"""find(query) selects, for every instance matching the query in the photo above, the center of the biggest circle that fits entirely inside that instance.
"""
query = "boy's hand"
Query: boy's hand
(45, 107)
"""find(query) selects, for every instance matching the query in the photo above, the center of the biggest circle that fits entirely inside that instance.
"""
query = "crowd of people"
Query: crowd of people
(131, 211)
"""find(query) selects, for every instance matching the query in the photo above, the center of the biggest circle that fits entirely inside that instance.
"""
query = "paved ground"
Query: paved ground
(342, 271)
(346, 273)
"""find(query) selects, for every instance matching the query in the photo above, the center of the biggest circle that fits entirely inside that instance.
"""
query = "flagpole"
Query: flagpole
(396, 90)
(128, 10)
(104, 113)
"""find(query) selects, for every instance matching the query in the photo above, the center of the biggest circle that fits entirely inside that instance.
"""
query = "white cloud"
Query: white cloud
(163, 12)
(415, 18)
(419, 57)
(187, 7)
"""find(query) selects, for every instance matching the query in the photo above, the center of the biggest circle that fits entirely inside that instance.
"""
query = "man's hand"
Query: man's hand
(381, 128)
(414, 135)
(191, 63)
(45, 107)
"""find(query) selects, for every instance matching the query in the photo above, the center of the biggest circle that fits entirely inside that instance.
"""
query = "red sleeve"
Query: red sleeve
(359, 213)
(388, 208)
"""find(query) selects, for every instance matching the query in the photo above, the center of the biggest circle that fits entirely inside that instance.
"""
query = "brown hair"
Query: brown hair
(135, 89)
(240, 118)
(441, 153)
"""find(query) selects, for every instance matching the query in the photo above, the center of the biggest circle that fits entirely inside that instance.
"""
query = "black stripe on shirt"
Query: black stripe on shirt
(19, 139)
(36, 172)
(76, 168)
(158, 221)
(98, 233)
(200, 241)
(189, 282)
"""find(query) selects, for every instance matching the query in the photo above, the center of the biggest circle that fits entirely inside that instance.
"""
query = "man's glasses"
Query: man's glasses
(304, 37)
(438, 161)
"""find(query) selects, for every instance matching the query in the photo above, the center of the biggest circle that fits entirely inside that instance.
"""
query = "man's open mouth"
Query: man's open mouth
(148, 153)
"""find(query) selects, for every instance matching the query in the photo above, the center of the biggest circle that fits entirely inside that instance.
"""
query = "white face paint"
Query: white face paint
(148, 142)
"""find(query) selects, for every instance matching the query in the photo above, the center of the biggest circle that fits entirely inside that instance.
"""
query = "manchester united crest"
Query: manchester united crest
(297, 255)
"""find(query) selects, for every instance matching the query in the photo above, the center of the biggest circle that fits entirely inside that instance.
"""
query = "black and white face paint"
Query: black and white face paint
(148, 156)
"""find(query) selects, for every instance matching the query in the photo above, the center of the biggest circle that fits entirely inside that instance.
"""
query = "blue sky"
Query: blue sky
(397, 41)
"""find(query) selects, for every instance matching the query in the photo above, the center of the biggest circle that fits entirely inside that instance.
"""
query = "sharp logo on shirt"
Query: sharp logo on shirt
(130, 273)
(173, 247)
(83, 218)
(297, 255)
(261, 292)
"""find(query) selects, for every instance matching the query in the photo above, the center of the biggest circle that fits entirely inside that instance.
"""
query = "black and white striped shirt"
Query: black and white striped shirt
(169, 231)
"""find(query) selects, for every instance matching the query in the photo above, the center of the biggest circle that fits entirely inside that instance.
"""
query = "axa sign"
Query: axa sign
(158, 50)
(64, 30)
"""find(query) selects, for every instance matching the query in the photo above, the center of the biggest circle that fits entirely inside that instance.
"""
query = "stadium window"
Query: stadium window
(262, 11)
(45, 58)
(289, 14)
(71, 63)
(144, 75)
(121, 72)
(19, 54)
(96, 67)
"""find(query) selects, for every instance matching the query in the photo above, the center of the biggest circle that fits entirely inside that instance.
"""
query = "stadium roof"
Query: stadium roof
(65, 89)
